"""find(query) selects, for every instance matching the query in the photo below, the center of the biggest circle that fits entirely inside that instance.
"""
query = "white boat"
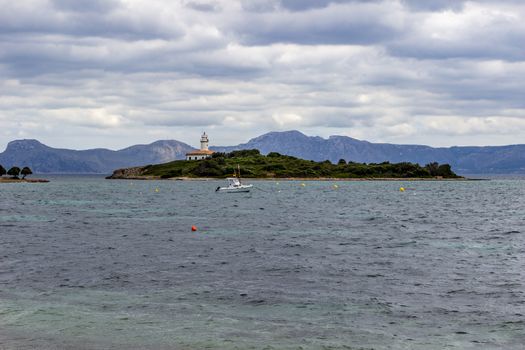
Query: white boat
(235, 184)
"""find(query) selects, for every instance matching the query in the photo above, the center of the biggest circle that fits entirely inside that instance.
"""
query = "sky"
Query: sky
(114, 73)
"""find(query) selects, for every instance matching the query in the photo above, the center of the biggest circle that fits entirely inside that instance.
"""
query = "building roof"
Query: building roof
(200, 153)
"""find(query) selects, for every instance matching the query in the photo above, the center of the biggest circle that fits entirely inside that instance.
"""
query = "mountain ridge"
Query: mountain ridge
(44, 159)
(508, 159)
(41, 158)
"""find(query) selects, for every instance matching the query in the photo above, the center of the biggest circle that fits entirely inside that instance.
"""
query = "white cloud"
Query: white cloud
(475, 125)
(288, 120)
(479, 30)
(445, 73)
(93, 118)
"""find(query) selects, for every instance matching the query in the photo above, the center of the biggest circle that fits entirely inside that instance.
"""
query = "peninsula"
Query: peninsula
(17, 180)
(14, 172)
(274, 165)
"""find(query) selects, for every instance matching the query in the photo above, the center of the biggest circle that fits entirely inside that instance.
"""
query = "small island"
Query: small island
(277, 166)
(15, 172)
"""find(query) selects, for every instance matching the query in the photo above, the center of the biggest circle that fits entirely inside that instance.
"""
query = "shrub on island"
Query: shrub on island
(26, 171)
(14, 172)
(274, 165)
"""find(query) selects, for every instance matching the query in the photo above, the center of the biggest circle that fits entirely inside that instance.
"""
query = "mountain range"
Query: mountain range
(43, 159)
(464, 160)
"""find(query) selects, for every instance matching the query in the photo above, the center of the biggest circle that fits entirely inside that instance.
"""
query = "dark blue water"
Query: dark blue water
(88, 263)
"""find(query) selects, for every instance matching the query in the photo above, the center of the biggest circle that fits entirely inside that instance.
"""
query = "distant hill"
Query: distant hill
(43, 159)
(464, 160)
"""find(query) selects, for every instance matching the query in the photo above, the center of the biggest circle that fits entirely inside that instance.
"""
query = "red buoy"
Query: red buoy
(194, 228)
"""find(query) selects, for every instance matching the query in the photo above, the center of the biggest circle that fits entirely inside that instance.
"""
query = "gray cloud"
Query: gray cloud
(478, 31)
(434, 5)
(337, 23)
(97, 6)
(301, 5)
(203, 6)
(440, 72)
(86, 19)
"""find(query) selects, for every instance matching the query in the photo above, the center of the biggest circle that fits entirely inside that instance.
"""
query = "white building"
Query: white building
(203, 153)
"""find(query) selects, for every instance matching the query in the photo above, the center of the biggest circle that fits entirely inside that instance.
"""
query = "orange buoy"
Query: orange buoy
(194, 228)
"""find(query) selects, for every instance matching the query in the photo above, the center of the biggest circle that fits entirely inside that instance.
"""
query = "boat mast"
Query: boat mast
(239, 173)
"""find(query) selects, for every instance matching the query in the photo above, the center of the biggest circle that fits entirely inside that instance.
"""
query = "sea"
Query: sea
(89, 263)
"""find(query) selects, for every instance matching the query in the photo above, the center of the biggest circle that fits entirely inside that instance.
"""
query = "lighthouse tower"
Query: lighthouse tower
(204, 142)
(203, 153)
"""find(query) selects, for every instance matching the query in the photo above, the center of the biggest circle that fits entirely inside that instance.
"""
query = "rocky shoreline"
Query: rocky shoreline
(122, 176)
(11, 180)
(134, 173)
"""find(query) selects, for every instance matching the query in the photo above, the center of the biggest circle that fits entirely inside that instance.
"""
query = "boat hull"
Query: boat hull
(241, 189)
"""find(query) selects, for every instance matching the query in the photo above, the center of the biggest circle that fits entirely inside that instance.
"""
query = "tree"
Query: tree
(208, 167)
(2, 171)
(14, 172)
(26, 171)
(218, 155)
(341, 162)
(244, 153)
(432, 168)
(445, 171)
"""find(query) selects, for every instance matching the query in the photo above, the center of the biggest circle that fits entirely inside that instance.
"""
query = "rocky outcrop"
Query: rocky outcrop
(128, 173)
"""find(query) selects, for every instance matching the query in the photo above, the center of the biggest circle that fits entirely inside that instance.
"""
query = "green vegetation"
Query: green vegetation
(275, 165)
(26, 171)
(14, 172)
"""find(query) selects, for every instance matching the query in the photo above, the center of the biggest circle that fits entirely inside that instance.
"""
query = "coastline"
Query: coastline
(277, 167)
(10, 180)
(145, 178)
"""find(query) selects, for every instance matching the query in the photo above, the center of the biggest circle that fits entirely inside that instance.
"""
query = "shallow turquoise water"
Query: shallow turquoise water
(88, 263)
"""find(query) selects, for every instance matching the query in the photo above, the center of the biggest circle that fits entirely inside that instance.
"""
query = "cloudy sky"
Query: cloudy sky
(112, 73)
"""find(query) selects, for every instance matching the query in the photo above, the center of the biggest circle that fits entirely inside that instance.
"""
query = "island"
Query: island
(277, 166)
(14, 172)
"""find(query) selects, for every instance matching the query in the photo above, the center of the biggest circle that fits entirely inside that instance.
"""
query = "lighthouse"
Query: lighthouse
(204, 142)
(203, 153)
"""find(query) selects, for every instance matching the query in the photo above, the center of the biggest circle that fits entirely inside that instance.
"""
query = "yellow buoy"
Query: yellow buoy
(156, 190)
(401, 189)
(335, 186)
(303, 184)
